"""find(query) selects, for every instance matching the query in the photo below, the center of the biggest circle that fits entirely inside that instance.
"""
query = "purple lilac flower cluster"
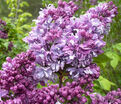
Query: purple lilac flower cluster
(3, 31)
(76, 91)
(17, 85)
(62, 42)
(113, 97)
(60, 45)
(46, 95)
(16, 77)
(72, 93)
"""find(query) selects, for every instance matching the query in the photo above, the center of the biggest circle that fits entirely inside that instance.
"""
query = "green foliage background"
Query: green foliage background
(19, 15)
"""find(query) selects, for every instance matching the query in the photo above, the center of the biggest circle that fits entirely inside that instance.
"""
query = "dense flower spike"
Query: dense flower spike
(3, 31)
(62, 42)
(16, 77)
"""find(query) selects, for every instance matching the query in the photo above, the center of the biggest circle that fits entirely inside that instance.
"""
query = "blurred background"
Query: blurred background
(18, 15)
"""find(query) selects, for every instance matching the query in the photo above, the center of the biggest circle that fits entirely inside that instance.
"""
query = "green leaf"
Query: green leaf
(114, 58)
(114, 63)
(117, 46)
(6, 44)
(24, 3)
(11, 15)
(8, 1)
(39, 85)
(20, 11)
(105, 84)
(101, 58)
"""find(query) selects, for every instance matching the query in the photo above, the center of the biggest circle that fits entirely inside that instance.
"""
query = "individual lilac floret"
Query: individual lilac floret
(61, 41)
(16, 78)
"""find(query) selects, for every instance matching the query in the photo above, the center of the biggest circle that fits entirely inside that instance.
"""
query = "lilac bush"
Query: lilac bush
(61, 47)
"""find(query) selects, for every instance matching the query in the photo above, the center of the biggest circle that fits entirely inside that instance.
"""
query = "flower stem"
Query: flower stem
(60, 80)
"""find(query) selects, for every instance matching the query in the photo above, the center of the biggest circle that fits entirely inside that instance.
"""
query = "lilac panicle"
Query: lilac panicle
(49, 56)
(61, 41)
(16, 78)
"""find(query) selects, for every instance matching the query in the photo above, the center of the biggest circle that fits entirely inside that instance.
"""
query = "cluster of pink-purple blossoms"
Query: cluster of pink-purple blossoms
(62, 42)
(113, 97)
(60, 46)
(16, 78)
(18, 86)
